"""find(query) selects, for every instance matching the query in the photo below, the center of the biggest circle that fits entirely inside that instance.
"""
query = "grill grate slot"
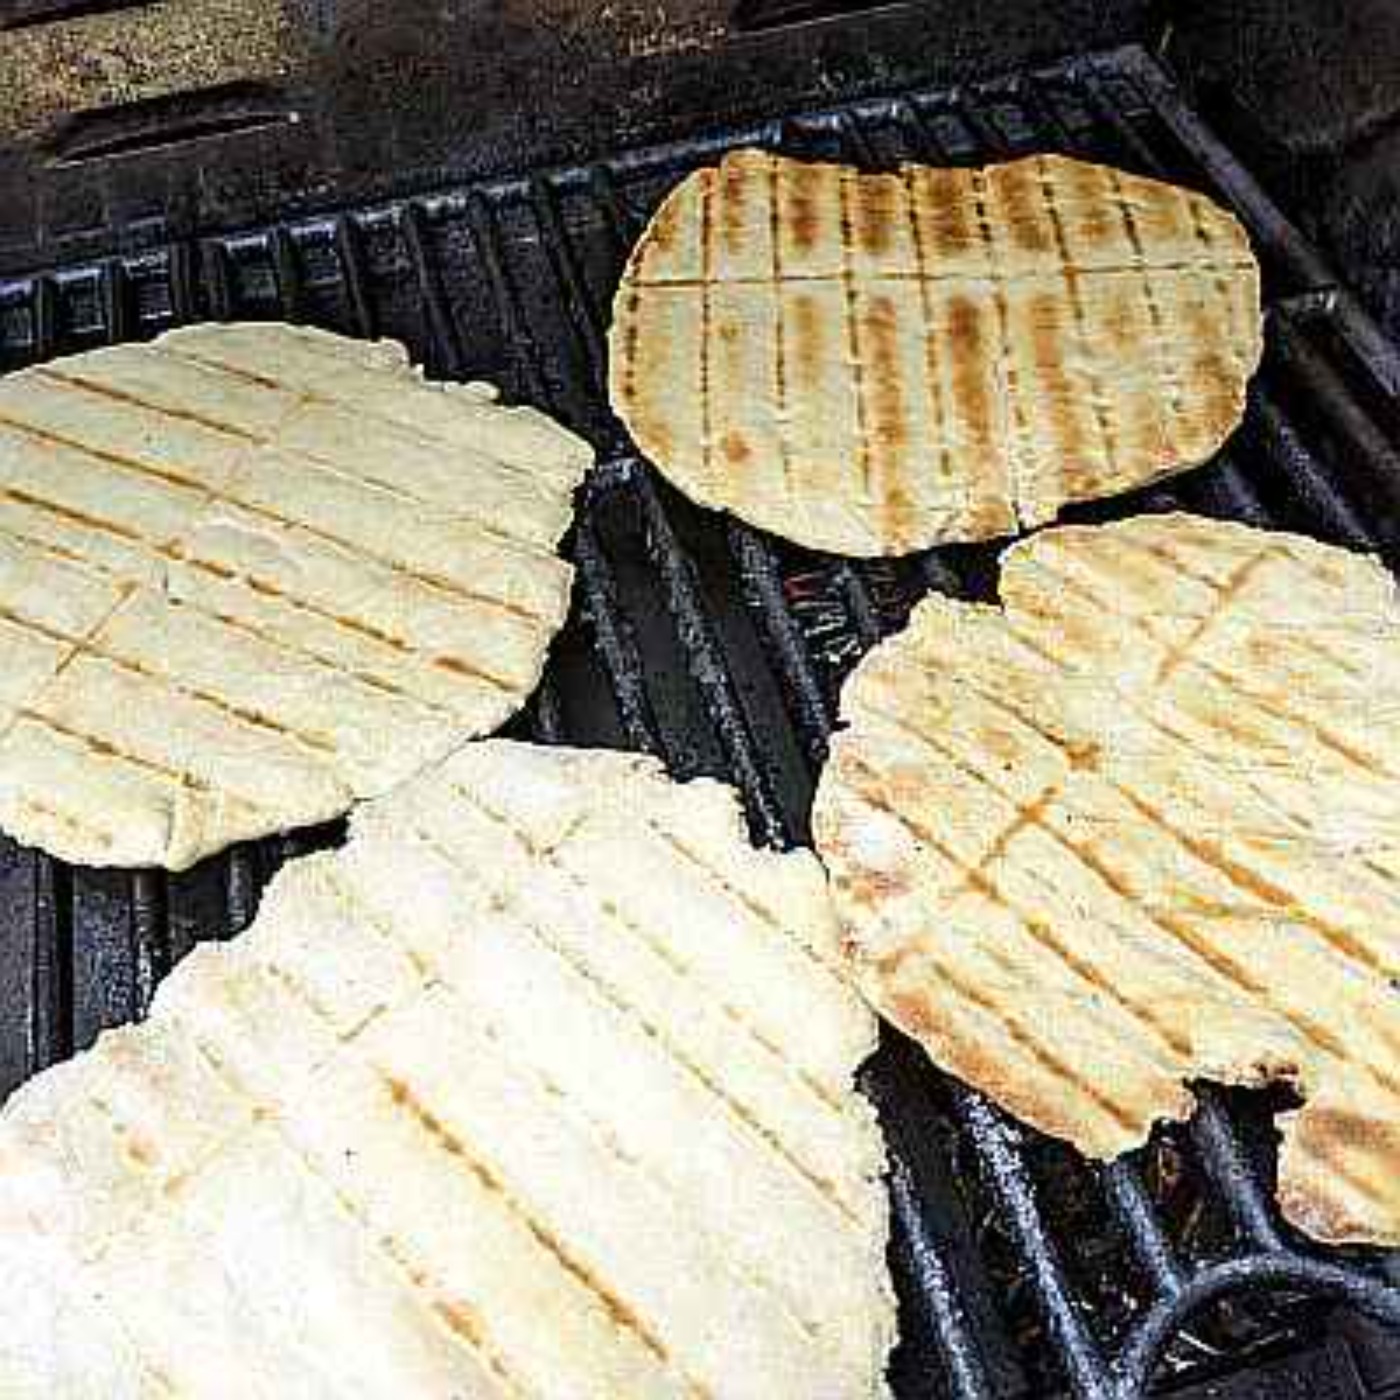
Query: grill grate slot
(1022, 1271)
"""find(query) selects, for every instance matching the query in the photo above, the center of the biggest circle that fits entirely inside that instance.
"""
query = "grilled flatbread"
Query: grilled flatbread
(871, 364)
(252, 573)
(541, 1086)
(1138, 826)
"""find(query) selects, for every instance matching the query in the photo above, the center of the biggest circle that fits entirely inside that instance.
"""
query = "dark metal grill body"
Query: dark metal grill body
(1022, 1270)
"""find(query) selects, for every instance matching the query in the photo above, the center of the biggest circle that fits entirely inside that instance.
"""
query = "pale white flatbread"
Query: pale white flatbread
(250, 574)
(542, 1086)
(1140, 826)
(871, 364)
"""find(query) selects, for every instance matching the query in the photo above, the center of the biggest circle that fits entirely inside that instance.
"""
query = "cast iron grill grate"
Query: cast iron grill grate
(1022, 1270)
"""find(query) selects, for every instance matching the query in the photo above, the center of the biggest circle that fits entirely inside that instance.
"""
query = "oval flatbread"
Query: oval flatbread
(1141, 825)
(872, 364)
(250, 574)
(470, 1111)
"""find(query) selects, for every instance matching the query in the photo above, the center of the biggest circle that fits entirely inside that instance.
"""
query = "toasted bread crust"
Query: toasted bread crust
(1138, 827)
(871, 364)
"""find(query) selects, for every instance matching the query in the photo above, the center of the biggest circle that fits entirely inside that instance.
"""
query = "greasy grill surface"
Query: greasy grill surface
(1022, 1271)
(872, 363)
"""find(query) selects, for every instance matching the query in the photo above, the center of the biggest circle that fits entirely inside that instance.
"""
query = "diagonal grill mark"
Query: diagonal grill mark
(1247, 881)
(253, 583)
(1165, 363)
(259, 1114)
(82, 826)
(69, 378)
(1321, 733)
(452, 1141)
(1182, 565)
(745, 901)
(933, 369)
(211, 496)
(104, 748)
(409, 379)
(1012, 411)
(175, 554)
(1102, 416)
(630, 1010)
(1223, 596)
(298, 652)
(1034, 1046)
(90, 650)
(979, 878)
(864, 465)
(77, 646)
(605, 1135)
(306, 457)
(639, 932)
(1244, 880)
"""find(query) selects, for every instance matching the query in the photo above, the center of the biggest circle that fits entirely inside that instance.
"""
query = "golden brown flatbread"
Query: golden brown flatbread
(871, 364)
(543, 1085)
(250, 574)
(1141, 825)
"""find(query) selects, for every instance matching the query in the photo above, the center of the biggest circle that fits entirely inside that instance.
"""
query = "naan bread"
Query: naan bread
(870, 364)
(250, 574)
(541, 1086)
(1138, 826)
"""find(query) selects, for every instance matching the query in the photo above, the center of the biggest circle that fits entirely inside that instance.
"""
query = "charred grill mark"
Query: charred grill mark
(70, 377)
(889, 413)
(854, 352)
(803, 205)
(1008, 390)
(734, 206)
(1018, 190)
(980, 877)
(1101, 404)
(873, 210)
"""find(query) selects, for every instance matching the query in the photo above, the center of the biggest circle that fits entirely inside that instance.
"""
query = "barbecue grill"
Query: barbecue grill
(1022, 1270)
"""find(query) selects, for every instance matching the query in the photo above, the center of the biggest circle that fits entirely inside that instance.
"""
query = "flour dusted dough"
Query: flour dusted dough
(543, 1085)
(250, 574)
(1141, 825)
(871, 364)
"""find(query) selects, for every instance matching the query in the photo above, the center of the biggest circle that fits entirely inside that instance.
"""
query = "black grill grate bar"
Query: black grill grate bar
(1007, 1177)
(763, 591)
(590, 316)
(50, 1030)
(937, 1294)
(616, 645)
(442, 329)
(709, 668)
(685, 602)
(1224, 1158)
(1240, 190)
(350, 255)
(1132, 1205)
(150, 931)
(1317, 492)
